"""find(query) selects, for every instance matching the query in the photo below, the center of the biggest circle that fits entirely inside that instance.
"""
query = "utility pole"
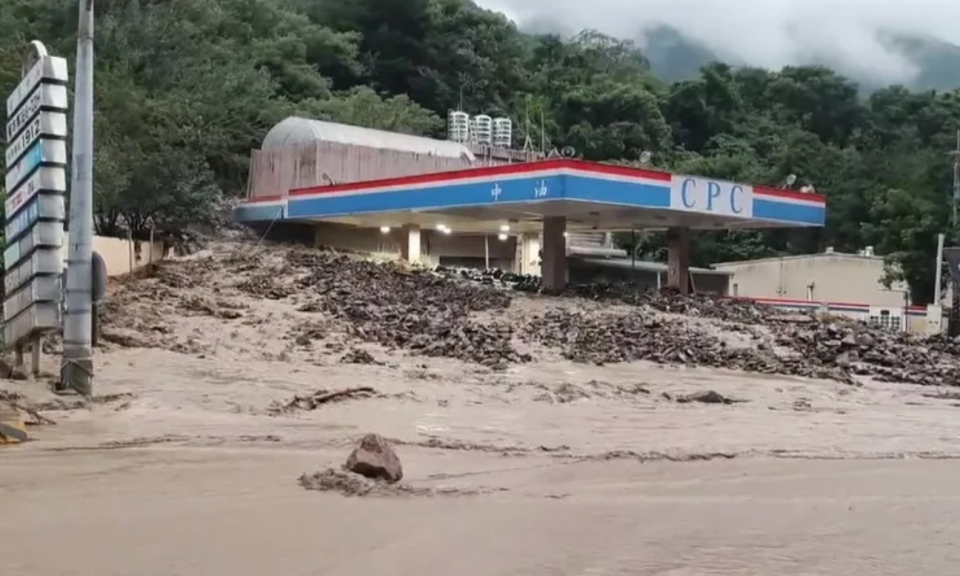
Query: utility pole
(938, 277)
(956, 183)
(76, 370)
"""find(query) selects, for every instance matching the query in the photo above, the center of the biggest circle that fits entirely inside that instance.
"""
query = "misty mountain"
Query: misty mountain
(938, 62)
(674, 56)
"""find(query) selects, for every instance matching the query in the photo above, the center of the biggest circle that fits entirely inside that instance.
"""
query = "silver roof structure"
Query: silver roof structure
(295, 131)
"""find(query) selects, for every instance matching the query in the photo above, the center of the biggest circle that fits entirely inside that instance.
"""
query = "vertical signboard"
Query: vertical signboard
(35, 183)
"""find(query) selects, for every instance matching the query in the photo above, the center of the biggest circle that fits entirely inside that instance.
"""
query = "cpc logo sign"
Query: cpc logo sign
(707, 196)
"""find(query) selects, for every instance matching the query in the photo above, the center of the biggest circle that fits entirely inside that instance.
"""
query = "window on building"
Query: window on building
(735, 291)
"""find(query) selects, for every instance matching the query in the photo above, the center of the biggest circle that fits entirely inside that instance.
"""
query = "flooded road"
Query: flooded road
(170, 511)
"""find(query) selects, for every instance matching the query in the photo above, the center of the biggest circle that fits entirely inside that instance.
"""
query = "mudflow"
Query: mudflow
(230, 380)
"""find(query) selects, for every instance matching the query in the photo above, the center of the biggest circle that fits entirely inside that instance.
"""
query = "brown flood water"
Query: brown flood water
(239, 512)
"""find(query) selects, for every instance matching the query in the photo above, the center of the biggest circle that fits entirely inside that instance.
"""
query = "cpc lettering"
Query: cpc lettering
(688, 195)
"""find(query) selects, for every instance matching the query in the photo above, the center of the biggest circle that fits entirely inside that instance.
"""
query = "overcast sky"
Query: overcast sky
(767, 33)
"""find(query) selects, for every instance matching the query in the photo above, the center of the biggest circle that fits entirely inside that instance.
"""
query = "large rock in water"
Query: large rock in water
(374, 458)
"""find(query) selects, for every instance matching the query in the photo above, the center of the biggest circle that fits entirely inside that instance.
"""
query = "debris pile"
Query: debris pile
(305, 333)
(358, 356)
(612, 338)
(666, 300)
(142, 308)
(416, 310)
(735, 310)
(810, 346)
(882, 354)
(706, 397)
(371, 468)
(346, 483)
(435, 313)
(319, 398)
(495, 276)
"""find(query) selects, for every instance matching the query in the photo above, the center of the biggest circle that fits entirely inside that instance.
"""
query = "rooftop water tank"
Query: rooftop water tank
(483, 130)
(502, 133)
(458, 127)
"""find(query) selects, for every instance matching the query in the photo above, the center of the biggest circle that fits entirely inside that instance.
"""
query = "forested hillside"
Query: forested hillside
(185, 88)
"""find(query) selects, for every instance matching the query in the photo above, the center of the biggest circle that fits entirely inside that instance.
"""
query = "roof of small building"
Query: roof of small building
(294, 131)
(818, 256)
(647, 266)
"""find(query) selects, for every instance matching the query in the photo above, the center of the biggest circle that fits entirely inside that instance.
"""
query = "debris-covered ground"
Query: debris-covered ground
(491, 320)
(261, 337)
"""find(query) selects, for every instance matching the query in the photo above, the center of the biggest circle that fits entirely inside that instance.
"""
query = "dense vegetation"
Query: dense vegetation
(185, 89)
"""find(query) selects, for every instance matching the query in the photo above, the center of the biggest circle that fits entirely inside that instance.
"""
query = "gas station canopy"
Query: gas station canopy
(590, 196)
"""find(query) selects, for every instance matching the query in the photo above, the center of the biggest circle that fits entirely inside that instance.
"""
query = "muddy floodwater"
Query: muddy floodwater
(238, 512)
(176, 472)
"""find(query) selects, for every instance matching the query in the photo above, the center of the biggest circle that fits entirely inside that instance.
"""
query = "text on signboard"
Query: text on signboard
(691, 194)
(732, 196)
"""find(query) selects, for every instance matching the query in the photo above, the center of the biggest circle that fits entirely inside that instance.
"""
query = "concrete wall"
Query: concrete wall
(819, 278)
(435, 248)
(120, 255)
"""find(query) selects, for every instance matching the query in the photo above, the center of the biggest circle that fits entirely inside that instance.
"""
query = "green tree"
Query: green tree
(364, 107)
(186, 88)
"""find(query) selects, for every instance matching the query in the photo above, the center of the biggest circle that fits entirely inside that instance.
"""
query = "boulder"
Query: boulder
(375, 458)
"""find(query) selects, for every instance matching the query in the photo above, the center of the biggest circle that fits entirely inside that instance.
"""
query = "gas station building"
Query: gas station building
(531, 209)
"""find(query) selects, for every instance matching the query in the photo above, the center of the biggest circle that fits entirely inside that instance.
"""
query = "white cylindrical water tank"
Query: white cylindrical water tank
(483, 127)
(458, 127)
(502, 133)
(473, 129)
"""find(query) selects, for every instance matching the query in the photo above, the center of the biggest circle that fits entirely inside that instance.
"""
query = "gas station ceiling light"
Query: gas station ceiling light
(385, 229)
(502, 237)
(505, 228)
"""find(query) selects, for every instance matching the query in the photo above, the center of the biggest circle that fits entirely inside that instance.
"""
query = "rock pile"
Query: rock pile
(518, 282)
(857, 348)
(666, 300)
(358, 356)
(612, 338)
(808, 345)
(436, 313)
(837, 349)
(416, 310)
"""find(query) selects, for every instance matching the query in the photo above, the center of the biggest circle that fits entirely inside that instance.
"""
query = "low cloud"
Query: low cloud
(769, 33)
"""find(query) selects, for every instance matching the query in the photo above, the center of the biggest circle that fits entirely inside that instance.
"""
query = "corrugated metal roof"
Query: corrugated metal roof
(294, 131)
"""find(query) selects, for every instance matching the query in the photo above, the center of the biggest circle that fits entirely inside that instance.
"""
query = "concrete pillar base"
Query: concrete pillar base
(410, 244)
(678, 259)
(554, 264)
